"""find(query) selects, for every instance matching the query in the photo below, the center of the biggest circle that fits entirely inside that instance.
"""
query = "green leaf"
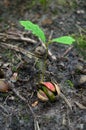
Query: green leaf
(64, 40)
(34, 28)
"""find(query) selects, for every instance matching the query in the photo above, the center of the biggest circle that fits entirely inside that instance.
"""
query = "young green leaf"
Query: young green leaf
(64, 40)
(34, 28)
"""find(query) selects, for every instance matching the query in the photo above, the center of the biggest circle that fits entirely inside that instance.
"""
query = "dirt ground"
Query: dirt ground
(20, 107)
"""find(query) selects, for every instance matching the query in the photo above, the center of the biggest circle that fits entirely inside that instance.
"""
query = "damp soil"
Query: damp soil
(68, 69)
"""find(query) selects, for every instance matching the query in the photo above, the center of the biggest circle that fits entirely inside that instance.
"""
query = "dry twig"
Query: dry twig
(66, 100)
(5, 110)
(16, 36)
(19, 49)
(67, 51)
(80, 105)
(62, 95)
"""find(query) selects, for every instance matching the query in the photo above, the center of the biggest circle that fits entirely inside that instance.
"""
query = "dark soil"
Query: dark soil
(68, 70)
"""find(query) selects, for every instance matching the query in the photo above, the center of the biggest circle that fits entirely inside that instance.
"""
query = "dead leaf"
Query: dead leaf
(35, 104)
(4, 86)
(46, 21)
(6, 3)
(14, 77)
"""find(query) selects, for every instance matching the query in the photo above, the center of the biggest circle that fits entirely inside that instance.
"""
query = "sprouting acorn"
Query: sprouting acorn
(49, 90)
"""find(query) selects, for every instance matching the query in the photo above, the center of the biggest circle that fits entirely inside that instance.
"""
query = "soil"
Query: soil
(20, 107)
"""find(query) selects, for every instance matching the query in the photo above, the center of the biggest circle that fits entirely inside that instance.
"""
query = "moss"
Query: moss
(81, 44)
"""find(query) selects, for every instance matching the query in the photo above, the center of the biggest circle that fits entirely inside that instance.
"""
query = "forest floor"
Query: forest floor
(20, 107)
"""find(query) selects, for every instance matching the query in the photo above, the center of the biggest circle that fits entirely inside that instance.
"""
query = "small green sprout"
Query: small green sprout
(70, 83)
(37, 31)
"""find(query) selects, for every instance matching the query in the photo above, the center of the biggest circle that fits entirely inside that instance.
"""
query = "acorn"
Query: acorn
(49, 90)
(50, 94)
(4, 86)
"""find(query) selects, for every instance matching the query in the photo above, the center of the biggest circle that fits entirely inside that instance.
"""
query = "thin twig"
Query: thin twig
(67, 51)
(51, 55)
(19, 49)
(16, 36)
(36, 125)
(27, 39)
(20, 36)
(66, 100)
(80, 105)
(80, 29)
(5, 110)
(51, 34)
(61, 94)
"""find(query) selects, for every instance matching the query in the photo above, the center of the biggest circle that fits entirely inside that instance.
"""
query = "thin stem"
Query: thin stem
(45, 62)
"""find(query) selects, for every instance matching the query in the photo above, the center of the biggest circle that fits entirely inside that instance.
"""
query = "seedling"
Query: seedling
(48, 90)
(37, 31)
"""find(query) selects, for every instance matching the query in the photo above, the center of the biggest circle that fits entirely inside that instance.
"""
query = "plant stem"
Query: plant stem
(45, 63)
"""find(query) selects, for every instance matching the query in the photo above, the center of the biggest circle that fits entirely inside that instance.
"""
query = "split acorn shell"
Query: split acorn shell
(49, 85)
(41, 95)
(48, 91)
